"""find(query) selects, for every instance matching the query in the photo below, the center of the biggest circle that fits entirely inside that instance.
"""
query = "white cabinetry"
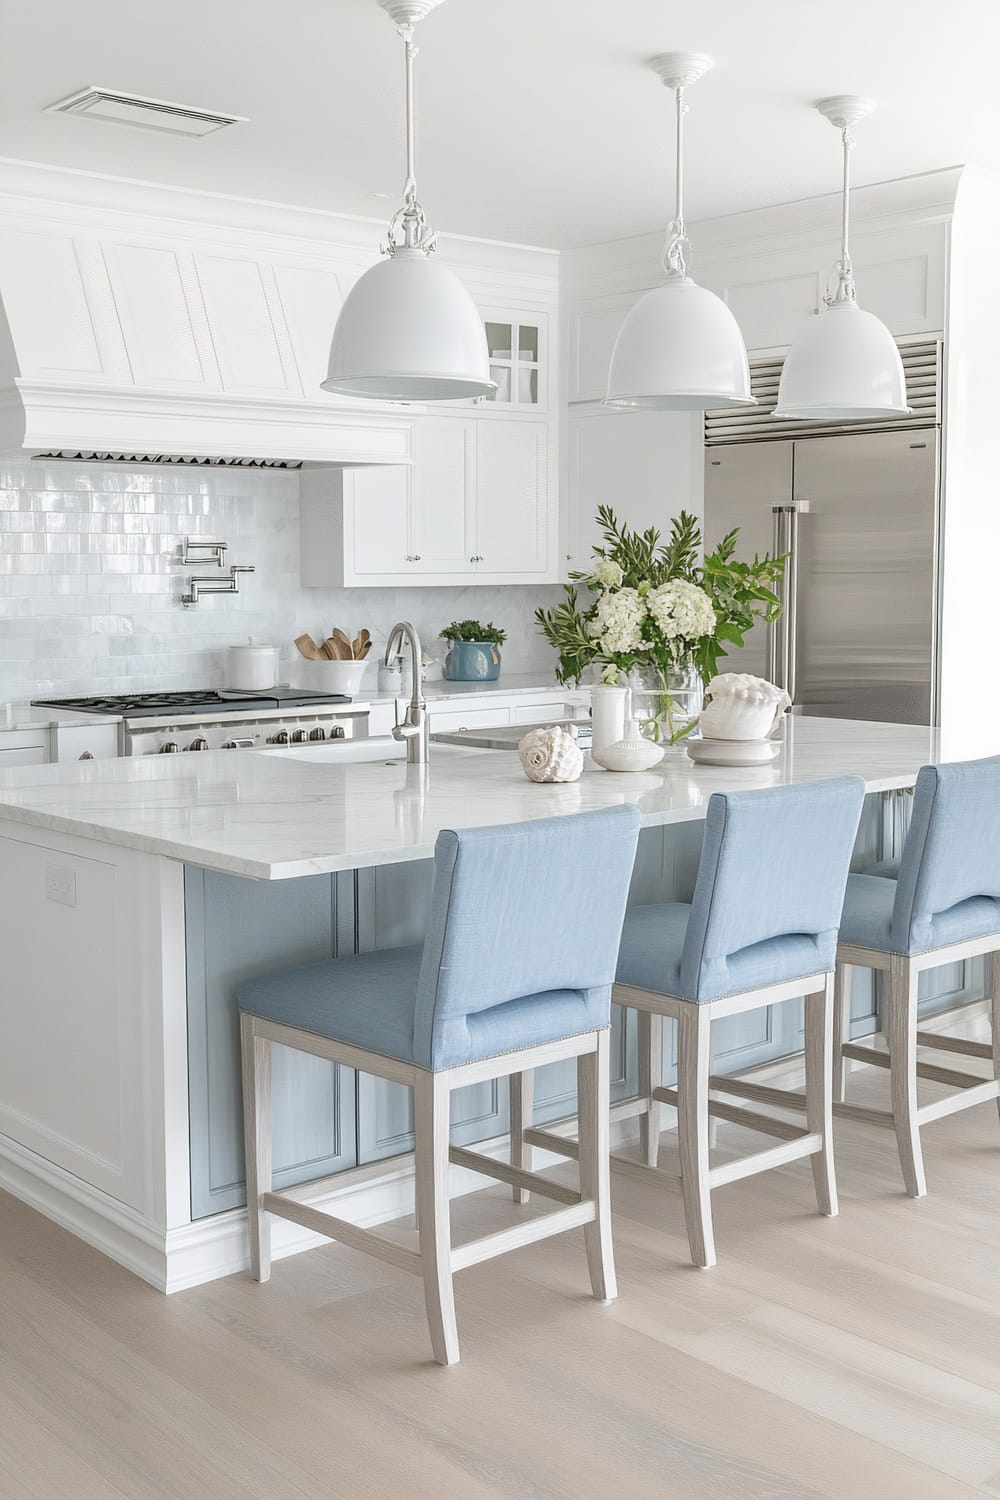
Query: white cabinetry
(473, 506)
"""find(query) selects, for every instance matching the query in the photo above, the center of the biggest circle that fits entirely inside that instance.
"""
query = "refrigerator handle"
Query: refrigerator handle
(792, 601)
(774, 626)
(777, 631)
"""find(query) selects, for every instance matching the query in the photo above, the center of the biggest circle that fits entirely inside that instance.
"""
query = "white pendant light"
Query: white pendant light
(680, 348)
(844, 364)
(409, 330)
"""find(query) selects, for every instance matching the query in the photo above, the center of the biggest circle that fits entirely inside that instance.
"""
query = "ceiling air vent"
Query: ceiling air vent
(116, 108)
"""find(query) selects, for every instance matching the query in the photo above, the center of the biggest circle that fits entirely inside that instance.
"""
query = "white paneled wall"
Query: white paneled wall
(90, 584)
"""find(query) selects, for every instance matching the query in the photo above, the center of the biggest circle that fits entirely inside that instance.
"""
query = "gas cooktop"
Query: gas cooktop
(149, 705)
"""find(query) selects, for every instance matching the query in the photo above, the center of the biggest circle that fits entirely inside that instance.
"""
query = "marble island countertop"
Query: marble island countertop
(275, 816)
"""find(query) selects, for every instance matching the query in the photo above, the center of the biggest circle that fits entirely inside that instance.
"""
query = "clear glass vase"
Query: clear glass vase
(666, 705)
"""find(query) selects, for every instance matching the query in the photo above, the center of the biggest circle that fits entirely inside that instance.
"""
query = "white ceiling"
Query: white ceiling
(537, 120)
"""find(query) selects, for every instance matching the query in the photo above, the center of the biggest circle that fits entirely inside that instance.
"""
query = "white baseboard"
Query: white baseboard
(172, 1260)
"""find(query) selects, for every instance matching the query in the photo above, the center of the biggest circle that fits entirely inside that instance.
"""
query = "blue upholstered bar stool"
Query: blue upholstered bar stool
(515, 971)
(938, 904)
(762, 928)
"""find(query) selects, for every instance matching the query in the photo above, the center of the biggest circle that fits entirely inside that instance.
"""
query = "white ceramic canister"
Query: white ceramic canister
(607, 712)
(252, 667)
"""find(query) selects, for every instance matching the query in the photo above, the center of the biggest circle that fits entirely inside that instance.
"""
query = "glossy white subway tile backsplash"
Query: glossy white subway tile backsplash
(90, 583)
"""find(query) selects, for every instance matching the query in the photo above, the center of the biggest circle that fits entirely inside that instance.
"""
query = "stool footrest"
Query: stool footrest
(736, 1115)
(805, 1144)
(844, 1111)
(526, 1233)
(951, 1077)
(942, 1042)
(760, 1093)
(562, 1145)
(341, 1230)
(973, 1092)
(503, 1172)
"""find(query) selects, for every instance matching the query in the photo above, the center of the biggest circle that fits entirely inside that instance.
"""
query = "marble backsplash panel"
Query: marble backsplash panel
(90, 583)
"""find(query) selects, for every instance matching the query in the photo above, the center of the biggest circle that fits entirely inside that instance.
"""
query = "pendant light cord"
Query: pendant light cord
(674, 258)
(846, 291)
(409, 221)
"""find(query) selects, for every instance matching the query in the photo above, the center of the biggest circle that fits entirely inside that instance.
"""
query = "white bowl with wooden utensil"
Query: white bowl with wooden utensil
(338, 665)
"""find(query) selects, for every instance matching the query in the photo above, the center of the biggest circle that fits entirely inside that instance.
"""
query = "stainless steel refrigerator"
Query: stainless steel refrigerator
(858, 513)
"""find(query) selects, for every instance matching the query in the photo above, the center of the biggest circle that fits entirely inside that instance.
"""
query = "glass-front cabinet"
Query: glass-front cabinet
(517, 360)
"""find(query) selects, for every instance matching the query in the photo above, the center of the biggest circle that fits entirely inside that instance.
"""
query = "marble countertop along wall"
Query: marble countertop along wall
(275, 816)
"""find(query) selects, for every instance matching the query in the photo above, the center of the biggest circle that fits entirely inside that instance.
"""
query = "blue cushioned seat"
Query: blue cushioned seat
(520, 949)
(945, 887)
(767, 900)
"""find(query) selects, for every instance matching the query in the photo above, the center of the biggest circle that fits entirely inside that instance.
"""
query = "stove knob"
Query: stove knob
(198, 743)
(336, 732)
(299, 736)
(168, 747)
(317, 734)
(281, 738)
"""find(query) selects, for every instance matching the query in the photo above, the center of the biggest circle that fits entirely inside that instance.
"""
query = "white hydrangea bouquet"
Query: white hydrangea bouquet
(660, 616)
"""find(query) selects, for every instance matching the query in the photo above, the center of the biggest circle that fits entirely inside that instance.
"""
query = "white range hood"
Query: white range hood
(143, 339)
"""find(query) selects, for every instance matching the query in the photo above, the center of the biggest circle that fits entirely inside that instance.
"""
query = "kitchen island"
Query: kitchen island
(138, 893)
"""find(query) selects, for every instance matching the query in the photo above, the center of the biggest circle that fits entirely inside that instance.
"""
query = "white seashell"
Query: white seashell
(551, 755)
(741, 707)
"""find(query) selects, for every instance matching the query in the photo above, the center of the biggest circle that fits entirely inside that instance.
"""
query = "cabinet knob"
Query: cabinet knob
(416, 557)
(413, 557)
(87, 755)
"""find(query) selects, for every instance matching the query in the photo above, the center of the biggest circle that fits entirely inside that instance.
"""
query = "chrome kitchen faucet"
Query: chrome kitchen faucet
(414, 727)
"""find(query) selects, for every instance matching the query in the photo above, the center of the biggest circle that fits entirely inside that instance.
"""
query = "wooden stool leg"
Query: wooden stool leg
(257, 1142)
(650, 1032)
(819, 1092)
(901, 1031)
(432, 1119)
(693, 1066)
(995, 1014)
(522, 1114)
(841, 1028)
(593, 1079)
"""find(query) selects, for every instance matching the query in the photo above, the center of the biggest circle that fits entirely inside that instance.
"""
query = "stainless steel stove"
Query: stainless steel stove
(161, 723)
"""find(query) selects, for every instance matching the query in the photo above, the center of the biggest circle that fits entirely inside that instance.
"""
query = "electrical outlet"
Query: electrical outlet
(60, 884)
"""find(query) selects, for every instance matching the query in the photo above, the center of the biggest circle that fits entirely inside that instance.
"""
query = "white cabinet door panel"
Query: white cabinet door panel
(442, 485)
(379, 499)
(468, 718)
(511, 510)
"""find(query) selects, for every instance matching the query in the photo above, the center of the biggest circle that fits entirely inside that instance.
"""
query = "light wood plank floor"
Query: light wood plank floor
(856, 1358)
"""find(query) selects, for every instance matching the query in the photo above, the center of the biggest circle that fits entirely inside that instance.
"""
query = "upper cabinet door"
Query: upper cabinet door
(247, 325)
(376, 520)
(162, 315)
(512, 513)
(442, 493)
(517, 343)
(592, 331)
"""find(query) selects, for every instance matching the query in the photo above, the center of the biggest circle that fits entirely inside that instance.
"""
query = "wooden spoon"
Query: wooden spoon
(331, 650)
(346, 649)
(360, 645)
(309, 648)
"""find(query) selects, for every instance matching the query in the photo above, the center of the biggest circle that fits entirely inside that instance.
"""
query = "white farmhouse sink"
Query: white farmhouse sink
(342, 752)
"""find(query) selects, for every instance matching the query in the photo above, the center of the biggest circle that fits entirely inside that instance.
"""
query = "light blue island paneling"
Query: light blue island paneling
(325, 1118)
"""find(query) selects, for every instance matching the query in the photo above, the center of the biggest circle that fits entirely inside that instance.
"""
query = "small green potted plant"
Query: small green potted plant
(473, 651)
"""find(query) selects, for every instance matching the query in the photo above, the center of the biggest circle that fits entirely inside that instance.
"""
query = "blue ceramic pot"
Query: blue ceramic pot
(472, 661)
